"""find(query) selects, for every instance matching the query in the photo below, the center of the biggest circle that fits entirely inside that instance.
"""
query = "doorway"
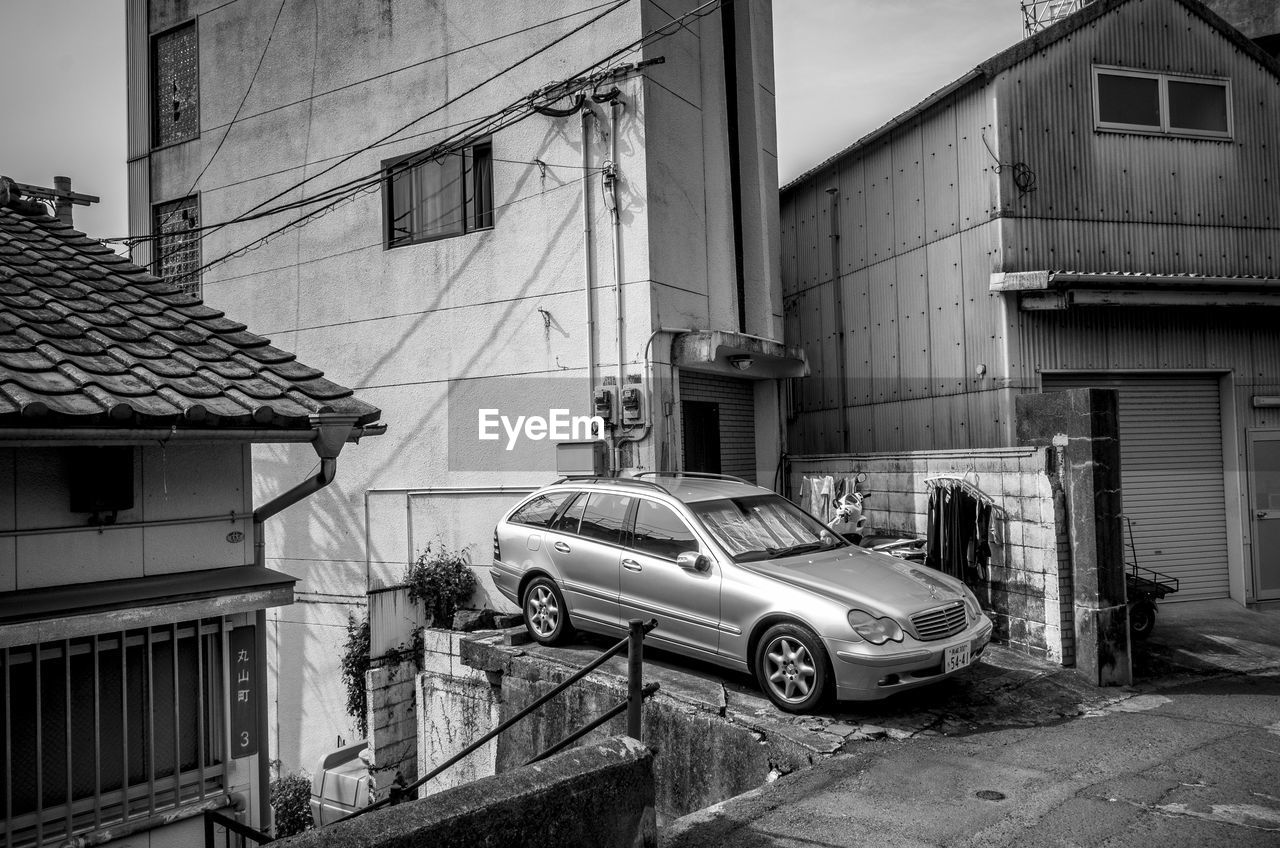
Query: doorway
(1264, 507)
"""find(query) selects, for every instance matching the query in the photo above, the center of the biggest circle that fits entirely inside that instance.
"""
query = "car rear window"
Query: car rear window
(539, 511)
(661, 532)
(604, 517)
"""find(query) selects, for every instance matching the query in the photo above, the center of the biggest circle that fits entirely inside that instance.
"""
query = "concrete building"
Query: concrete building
(132, 587)
(582, 210)
(1095, 206)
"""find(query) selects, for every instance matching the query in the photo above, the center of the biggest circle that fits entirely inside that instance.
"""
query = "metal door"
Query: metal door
(1264, 500)
(651, 585)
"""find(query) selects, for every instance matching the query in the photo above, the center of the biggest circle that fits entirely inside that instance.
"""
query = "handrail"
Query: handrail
(635, 695)
(213, 818)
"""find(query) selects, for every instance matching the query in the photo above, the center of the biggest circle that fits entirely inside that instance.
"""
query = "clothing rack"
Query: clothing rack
(964, 484)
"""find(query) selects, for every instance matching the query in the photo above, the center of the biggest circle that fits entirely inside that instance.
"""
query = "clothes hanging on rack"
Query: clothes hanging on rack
(959, 529)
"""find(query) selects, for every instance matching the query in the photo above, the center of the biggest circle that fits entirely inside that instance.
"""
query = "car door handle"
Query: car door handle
(631, 565)
(561, 547)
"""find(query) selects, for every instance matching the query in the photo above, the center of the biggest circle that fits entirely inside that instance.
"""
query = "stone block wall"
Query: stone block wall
(393, 723)
(1028, 596)
(459, 705)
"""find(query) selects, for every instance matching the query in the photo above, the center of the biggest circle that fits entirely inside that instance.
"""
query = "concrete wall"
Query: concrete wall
(1029, 594)
(537, 806)
(501, 311)
(197, 487)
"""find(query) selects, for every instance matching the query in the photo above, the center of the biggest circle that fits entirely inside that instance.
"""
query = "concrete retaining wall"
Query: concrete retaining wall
(1029, 593)
(593, 797)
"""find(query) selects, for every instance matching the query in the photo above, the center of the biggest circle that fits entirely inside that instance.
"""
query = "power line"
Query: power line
(501, 119)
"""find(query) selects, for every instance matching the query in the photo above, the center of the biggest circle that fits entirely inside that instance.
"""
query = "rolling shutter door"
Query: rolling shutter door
(737, 416)
(1171, 476)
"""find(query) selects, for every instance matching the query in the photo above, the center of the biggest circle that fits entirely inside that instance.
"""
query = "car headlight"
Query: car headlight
(971, 604)
(875, 630)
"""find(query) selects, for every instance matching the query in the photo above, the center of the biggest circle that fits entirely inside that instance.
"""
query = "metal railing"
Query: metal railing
(246, 834)
(637, 691)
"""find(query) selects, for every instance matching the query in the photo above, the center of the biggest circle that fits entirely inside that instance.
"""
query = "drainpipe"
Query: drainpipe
(331, 432)
(588, 267)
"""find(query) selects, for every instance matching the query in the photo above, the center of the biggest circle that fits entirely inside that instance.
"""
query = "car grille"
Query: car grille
(939, 623)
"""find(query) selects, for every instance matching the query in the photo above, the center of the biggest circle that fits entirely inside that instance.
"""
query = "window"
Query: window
(177, 246)
(605, 517)
(539, 511)
(659, 531)
(568, 520)
(1135, 101)
(175, 81)
(110, 728)
(428, 199)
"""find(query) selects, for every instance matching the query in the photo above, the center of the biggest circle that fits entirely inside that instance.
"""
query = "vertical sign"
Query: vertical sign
(244, 697)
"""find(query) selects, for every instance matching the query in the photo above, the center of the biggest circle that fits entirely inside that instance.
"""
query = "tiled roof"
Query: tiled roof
(89, 338)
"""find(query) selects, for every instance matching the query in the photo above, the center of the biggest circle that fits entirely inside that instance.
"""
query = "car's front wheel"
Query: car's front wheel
(792, 668)
(545, 615)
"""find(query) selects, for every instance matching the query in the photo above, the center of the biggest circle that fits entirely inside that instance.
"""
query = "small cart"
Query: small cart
(1143, 587)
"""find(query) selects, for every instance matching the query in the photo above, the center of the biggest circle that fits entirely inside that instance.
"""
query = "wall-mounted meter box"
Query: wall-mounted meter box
(632, 405)
(602, 403)
(581, 459)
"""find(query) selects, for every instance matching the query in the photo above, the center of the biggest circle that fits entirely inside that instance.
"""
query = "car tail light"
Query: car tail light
(497, 548)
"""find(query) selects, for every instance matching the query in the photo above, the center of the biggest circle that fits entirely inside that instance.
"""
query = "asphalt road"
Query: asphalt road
(1190, 758)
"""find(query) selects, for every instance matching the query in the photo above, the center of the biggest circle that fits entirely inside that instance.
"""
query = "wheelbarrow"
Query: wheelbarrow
(1143, 588)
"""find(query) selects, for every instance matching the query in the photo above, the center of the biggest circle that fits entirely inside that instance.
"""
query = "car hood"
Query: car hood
(869, 580)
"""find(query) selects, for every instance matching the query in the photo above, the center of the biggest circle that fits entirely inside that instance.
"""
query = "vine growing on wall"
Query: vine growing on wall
(355, 665)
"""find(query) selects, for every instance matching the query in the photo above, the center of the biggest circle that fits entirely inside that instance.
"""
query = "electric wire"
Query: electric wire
(499, 120)
(185, 244)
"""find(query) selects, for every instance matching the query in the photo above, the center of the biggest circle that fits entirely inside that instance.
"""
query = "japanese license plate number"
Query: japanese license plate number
(956, 658)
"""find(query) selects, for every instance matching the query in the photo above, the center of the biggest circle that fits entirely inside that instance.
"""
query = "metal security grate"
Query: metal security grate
(178, 246)
(175, 102)
(939, 623)
(107, 729)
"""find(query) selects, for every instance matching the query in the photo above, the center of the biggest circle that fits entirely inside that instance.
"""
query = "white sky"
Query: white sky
(843, 68)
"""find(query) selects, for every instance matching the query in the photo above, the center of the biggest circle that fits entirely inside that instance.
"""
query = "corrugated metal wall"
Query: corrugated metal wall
(735, 399)
(917, 245)
(1115, 201)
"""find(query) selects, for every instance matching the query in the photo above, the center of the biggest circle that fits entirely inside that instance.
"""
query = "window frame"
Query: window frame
(634, 536)
(194, 286)
(1162, 80)
(152, 94)
(465, 156)
(152, 799)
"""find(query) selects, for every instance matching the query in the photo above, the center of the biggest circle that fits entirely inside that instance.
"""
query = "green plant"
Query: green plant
(355, 664)
(291, 803)
(441, 580)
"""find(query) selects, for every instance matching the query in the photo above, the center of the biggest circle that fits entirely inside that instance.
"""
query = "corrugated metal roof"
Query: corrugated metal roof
(997, 64)
(87, 337)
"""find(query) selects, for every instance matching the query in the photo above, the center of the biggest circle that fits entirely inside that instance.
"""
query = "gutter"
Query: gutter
(51, 436)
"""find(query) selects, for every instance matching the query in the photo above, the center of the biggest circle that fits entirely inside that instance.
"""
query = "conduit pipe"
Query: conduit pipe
(611, 181)
(648, 383)
(588, 266)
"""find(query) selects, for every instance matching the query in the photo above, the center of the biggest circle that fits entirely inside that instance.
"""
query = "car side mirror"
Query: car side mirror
(694, 561)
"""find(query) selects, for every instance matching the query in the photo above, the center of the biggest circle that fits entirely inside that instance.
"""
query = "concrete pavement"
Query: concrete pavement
(1024, 755)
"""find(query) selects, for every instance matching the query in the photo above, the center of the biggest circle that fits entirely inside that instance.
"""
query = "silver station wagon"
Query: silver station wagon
(736, 575)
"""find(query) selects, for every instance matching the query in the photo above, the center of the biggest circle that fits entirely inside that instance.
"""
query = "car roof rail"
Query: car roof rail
(613, 481)
(706, 475)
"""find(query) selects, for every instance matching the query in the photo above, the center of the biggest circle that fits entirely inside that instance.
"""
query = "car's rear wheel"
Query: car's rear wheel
(792, 668)
(545, 615)
(1142, 619)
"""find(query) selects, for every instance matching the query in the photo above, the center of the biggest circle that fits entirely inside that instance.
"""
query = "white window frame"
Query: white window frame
(1163, 80)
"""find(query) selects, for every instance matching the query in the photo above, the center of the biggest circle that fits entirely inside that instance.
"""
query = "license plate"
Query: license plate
(956, 658)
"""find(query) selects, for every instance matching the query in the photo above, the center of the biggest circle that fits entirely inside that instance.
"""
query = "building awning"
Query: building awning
(29, 616)
(737, 355)
(1039, 291)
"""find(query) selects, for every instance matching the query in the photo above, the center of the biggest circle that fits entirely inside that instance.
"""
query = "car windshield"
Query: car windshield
(763, 527)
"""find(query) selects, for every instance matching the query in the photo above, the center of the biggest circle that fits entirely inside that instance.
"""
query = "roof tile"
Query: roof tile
(87, 337)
